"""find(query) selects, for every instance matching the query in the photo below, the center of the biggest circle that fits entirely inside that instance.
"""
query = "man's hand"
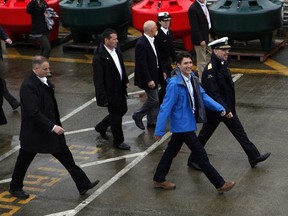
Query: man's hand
(58, 130)
(8, 41)
(203, 44)
(229, 115)
(151, 84)
(164, 75)
(158, 138)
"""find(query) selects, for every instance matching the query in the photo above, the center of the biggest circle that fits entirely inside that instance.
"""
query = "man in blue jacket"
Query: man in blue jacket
(184, 105)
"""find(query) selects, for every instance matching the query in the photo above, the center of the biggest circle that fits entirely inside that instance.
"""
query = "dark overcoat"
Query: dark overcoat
(164, 44)
(39, 114)
(3, 36)
(198, 23)
(3, 120)
(109, 87)
(146, 65)
(218, 84)
(39, 25)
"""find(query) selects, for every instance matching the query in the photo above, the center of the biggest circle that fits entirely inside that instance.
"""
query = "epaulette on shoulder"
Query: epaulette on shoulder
(209, 66)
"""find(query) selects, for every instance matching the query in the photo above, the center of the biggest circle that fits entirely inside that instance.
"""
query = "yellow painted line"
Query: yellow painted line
(252, 71)
(12, 209)
(277, 68)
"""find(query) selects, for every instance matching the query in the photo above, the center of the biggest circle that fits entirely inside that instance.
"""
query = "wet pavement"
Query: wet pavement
(126, 186)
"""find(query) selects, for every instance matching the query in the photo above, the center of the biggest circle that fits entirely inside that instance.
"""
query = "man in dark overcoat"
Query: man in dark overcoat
(218, 84)
(111, 82)
(14, 103)
(41, 130)
(148, 75)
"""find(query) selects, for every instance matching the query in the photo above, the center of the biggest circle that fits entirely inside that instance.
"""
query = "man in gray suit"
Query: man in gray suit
(148, 75)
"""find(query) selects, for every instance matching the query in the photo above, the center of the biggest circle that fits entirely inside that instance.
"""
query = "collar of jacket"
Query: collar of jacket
(37, 81)
(200, 113)
(101, 51)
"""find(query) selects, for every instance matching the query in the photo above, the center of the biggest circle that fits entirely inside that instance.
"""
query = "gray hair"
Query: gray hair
(38, 60)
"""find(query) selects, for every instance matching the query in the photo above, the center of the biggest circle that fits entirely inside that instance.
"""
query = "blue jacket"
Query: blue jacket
(177, 106)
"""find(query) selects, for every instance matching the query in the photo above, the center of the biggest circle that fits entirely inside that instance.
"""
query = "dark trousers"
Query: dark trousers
(236, 128)
(64, 157)
(150, 107)
(45, 46)
(174, 146)
(114, 120)
(6, 94)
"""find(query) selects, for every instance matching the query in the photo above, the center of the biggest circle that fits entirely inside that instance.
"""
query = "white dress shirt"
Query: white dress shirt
(206, 12)
(115, 59)
(151, 41)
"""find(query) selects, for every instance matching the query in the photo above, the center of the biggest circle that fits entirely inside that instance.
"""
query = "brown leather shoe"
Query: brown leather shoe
(226, 187)
(165, 185)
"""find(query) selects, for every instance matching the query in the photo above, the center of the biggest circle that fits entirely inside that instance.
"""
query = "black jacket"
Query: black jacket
(165, 46)
(3, 36)
(109, 88)
(3, 120)
(39, 25)
(198, 23)
(39, 114)
(146, 64)
(218, 84)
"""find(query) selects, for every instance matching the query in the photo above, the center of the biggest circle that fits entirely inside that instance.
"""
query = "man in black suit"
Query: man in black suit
(200, 23)
(111, 82)
(41, 130)
(148, 74)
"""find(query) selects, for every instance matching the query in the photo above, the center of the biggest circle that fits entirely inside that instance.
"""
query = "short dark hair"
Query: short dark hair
(181, 55)
(107, 34)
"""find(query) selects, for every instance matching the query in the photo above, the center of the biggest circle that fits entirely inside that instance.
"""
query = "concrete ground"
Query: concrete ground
(126, 186)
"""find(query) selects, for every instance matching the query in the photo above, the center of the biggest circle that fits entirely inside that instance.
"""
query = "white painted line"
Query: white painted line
(122, 172)
(14, 142)
(111, 159)
(78, 109)
(235, 77)
(136, 92)
(5, 181)
(79, 131)
(92, 129)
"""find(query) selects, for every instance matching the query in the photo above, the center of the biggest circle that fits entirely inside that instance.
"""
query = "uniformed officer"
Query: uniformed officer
(164, 43)
(218, 84)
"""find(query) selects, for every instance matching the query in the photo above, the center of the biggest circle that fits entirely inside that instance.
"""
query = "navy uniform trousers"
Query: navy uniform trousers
(236, 128)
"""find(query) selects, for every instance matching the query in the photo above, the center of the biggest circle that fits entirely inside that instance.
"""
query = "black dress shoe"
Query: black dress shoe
(90, 186)
(194, 165)
(151, 125)
(122, 146)
(259, 159)
(102, 133)
(19, 194)
(138, 122)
